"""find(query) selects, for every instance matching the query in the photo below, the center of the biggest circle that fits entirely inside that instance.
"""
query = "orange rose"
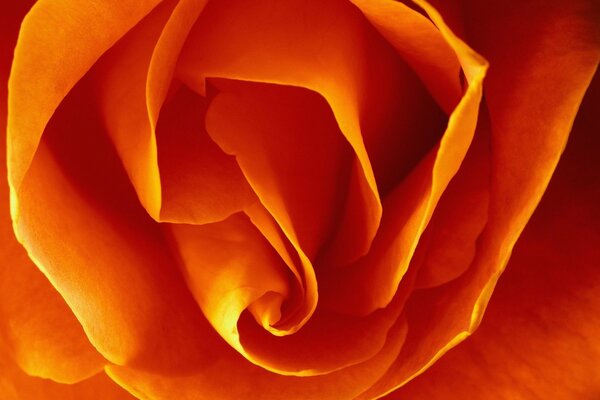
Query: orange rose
(258, 199)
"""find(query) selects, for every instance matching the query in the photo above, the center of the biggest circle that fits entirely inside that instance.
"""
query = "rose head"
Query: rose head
(239, 199)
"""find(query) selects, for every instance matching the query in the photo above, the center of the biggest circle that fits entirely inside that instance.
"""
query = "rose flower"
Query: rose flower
(260, 199)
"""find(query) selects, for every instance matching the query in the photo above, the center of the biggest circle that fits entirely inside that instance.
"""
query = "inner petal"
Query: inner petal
(294, 43)
(290, 150)
(449, 242)
(420, 44)
(230, 267)
(201, 184)
(120, 83)
(372, 281)
(80, 220)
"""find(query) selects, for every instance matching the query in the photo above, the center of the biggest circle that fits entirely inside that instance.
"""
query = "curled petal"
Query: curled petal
(223, 45)
(421, 45)
(86, 231)
(520, 168)
(48, 63)
(371, 282)
(229, 376)
(539, 334)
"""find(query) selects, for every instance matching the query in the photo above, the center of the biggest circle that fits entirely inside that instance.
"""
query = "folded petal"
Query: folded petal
(449, 243)
(48, 63)
(297, 45)
(16, 385)
(79, 218)
(200, 183)
(290, 149)
(180, 178)
(539, 335)
(229, 376)
(229, 266)
(36, 326)
(372, 281)
(421, 44)
(530, 120)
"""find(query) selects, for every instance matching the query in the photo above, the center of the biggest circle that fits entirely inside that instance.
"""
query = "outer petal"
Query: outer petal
(42, 333)
(530, 120)
(230, 377)
(16, 385)
(37, 327)
(372, 281)
(48, 63)
(540, 335)
(85, 229)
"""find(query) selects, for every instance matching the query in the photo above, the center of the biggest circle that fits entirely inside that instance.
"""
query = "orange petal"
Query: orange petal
(48, 62)
(540, 110)
(539, 335)
(80, 220)
(421, 44)
(303, 300)
(36, 325)
(372, 281)
(229, 266)
(41, 331)
(16, 385)
(225, 43)
(449, 242)
(175, 182)
(291, 151)
(229, 376)
(201, 184)
(120, 88)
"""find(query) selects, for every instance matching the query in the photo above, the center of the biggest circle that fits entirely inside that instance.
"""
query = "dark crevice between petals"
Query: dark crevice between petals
(82, 223)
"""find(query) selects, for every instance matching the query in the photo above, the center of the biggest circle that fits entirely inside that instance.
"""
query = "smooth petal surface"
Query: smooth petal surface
(421, 44)
(200, 183)
(372, 281)
(16, 385)
(85, 229)
(229, 376)
(539, 335)
(440, 318)
(264, 46)
(48, 63)
(36, 326)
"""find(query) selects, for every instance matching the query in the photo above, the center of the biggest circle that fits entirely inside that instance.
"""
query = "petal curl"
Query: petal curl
(85, 229)
(295, 44)
(539, 335)
(16, 385)
(36, 326)
(174, 182)
(540, 109)
(372, 281)
(229, 376)
(421, 44)
(48, 62)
